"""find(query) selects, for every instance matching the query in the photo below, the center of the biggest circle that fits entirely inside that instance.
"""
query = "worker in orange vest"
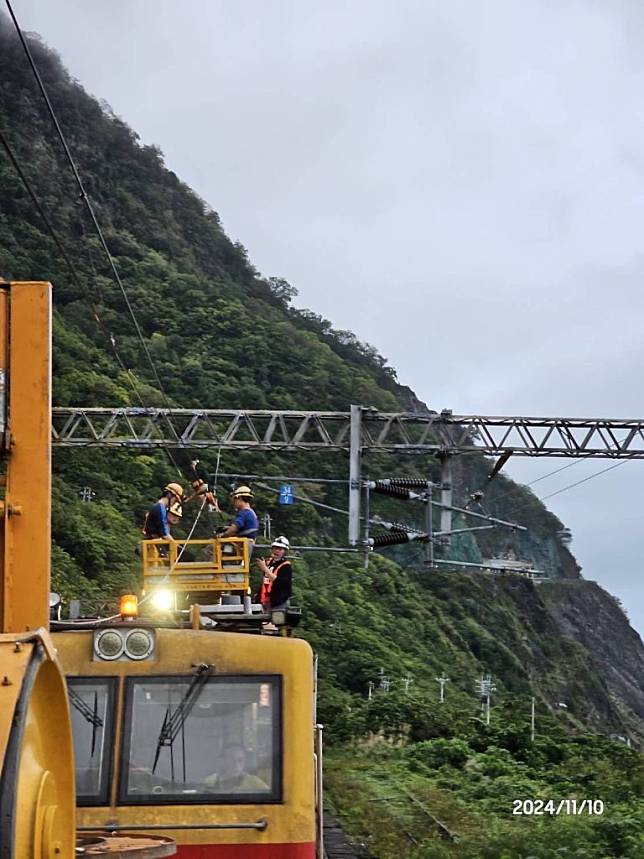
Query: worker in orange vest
(277, 576)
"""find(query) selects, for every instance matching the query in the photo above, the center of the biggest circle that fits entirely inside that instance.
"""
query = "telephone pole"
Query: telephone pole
(442, 680)
(484, 686)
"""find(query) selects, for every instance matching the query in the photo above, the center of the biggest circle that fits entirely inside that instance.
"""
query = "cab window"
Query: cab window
(92, 707)
(203, 740)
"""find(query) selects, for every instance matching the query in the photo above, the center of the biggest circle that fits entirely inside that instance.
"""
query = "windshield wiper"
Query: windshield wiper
(174, 722)
(90, 715)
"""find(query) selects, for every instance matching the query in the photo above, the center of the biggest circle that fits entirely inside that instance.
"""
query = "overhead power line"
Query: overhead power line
(70, 265)
(86, 200)
(584, 480)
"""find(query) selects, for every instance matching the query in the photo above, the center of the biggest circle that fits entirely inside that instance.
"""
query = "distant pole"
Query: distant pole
(366, 526)
(371, 686)
(442, 680)
(407, 681)
(355, 452)
(446, 494)
(532, 719)
(429, 527)
(485, 687)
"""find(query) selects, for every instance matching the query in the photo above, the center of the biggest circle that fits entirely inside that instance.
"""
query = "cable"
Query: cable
(585, 479)
(86, 200)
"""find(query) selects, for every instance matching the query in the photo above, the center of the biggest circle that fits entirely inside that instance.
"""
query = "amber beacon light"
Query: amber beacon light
(129, 606)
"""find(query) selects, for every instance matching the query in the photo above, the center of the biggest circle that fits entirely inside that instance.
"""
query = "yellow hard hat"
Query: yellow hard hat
(176, 509)
(175, 489)
(242, 491)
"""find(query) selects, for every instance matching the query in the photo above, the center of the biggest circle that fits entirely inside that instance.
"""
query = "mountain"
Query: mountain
(221, 335)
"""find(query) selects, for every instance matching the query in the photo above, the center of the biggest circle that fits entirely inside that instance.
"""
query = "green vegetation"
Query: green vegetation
(222, 335)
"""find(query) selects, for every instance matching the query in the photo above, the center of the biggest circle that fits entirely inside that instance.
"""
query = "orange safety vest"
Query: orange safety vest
(267, 584)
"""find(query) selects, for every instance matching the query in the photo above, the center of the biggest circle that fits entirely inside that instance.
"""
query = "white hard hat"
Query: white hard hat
(281, 543)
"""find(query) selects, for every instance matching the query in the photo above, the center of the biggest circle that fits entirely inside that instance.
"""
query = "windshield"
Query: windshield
(202, 739)
(92, 705)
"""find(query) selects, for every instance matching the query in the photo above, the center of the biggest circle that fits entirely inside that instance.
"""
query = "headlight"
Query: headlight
(162, 600)
(108, 644)
(122, 644)
(139, 643)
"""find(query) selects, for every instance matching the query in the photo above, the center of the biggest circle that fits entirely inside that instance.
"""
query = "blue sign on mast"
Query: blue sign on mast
(286, 494)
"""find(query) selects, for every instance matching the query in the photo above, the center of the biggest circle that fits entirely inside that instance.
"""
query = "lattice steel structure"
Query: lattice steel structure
(272, 429)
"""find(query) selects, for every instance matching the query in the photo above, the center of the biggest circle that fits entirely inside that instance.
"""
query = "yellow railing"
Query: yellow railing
(215, 565)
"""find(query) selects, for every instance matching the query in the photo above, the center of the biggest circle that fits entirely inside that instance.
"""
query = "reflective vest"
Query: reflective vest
(267, 584)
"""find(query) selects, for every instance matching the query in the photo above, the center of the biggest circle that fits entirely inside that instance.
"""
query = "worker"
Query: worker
(246, 523)
(235, 775)
(277, 576)
(175, 513)
(156, 524)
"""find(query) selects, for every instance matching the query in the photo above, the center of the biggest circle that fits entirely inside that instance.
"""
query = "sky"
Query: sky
(459, 183)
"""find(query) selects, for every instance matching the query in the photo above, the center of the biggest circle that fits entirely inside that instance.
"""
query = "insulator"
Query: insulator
(409, 482)
(394, 538)
(385, 488)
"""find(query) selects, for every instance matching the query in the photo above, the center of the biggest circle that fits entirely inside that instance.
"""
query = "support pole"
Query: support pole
(446, 494)
(429, 527)
(532, 719)
(25, 320)
(367, 498)
(355, 453)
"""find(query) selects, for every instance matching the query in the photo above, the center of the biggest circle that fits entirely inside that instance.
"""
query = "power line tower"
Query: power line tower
(485, 687)
(407, 681)
(442, 680)
(87, 494)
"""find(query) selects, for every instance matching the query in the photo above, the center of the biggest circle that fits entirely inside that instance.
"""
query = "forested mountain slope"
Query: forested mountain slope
(222, 335)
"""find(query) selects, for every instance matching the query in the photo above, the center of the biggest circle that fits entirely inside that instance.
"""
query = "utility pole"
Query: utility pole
(370, 686)
(385, 683)
(407, 681)
(429, 526)
(442, 680)
(446, 495)
(355, 455)
(485, 687)
(87, 494)
(532, 719)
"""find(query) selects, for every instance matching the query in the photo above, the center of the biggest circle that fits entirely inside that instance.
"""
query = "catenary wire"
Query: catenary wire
(88, 204)
(72, 269)
(86, 200)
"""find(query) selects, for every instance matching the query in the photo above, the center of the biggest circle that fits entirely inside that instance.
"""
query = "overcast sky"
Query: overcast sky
(461, 183)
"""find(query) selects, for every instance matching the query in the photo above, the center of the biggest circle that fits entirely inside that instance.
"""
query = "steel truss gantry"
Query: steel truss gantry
(395, 432)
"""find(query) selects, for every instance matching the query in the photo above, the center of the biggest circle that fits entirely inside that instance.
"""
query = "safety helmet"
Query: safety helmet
(241, 491)
(176, 509)
(175, 489)
(281, 543)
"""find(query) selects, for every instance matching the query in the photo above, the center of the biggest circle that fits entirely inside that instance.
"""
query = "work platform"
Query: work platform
(212, 566)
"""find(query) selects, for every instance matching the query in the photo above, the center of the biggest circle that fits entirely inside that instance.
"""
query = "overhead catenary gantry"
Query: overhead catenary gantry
(396, 432)
(356, 432)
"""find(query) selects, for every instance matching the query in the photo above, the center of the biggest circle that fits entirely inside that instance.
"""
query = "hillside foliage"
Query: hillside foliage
(223, 335)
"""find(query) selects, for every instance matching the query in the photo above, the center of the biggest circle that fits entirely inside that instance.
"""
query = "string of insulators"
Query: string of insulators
(388, 487)
(395, 538)
(407, 482)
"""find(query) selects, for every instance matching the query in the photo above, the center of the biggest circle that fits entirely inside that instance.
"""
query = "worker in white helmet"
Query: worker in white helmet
(246, 523)
(277, 576)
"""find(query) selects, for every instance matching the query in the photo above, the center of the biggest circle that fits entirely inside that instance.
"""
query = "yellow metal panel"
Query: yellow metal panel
(4, 391)
(27, 528)
(230, 653)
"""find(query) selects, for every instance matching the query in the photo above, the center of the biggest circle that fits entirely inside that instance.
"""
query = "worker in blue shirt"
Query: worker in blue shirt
(156, 519)
(246, 523)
